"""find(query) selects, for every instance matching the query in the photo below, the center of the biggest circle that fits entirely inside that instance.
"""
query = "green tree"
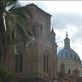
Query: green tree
(3, 5)
(6, 76)
(11, 19)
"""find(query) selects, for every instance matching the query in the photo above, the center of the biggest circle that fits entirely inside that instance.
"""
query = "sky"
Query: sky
(65, 14)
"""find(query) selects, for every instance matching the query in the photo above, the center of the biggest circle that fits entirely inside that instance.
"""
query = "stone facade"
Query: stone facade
(35, 60)
(40, 57)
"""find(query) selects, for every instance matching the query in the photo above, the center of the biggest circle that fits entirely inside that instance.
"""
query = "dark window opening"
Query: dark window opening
(18, 63)
(45, 62)
(69, 71)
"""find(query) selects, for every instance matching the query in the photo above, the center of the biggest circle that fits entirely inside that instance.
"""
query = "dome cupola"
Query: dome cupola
(68, 53)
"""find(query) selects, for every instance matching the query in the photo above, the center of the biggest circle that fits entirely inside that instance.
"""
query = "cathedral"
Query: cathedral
(69, 64)
(37, 60)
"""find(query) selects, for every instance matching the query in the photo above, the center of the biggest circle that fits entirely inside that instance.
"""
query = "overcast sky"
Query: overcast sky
(64, 14)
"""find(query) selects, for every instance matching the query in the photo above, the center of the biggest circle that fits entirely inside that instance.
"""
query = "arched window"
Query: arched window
(69, 71)
(18, 62)
(12, 35)
(45, 61)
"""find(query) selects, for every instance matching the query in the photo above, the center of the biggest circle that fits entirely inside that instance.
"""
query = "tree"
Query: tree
(11, 19)
(6, 76)
(3, 5)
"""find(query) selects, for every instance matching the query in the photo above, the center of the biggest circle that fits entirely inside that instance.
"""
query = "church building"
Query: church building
(39, 60)
(69, 64)
(35, 60)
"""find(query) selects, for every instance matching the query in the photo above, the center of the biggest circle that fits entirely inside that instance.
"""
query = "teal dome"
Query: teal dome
(68, 53)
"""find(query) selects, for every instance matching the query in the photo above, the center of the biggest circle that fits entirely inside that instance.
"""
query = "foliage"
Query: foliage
(5, 3)
(14, 19)
(20, 20)
(5, 76)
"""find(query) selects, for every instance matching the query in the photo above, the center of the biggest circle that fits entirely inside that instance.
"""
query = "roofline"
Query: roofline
(32, 4)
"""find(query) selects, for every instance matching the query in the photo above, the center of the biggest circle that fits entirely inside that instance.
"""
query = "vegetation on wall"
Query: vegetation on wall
(12, 19)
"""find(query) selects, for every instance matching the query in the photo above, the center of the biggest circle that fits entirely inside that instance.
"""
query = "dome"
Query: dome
(68, 53)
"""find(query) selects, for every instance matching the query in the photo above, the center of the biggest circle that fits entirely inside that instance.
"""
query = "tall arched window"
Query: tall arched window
(46, 61)
(12, 35)
(69, 71)
(18, 62)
